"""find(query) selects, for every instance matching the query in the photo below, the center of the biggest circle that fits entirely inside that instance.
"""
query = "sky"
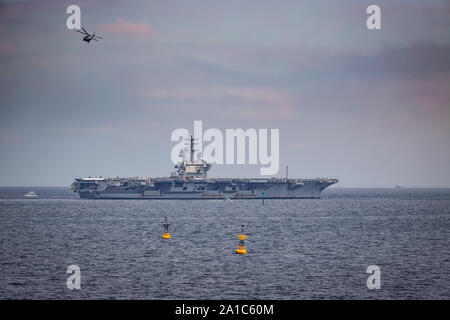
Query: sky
(369, 107)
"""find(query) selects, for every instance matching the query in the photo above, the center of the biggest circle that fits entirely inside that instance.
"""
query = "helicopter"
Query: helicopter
(88, 37)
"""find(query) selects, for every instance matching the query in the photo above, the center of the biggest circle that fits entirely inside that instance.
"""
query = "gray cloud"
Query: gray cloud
(368, 108)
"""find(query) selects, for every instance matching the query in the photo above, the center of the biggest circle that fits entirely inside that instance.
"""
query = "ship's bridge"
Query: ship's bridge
(192, 169)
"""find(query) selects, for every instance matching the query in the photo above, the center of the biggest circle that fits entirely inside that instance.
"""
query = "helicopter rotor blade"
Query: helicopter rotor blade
(85, 31)
(82, 32)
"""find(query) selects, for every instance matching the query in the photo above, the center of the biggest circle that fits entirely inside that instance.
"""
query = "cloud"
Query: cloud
(21, 8)
(253, 102)
(250, 94)
(7, 48)
(128, 28)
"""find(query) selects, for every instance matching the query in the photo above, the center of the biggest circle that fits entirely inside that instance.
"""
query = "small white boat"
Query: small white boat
(30, 194)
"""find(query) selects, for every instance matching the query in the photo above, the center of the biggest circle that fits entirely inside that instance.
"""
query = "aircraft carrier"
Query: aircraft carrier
(190, 181)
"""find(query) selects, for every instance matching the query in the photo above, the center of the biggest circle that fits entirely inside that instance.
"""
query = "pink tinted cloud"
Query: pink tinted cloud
(252, 102)
(6, 47)
(128, 28)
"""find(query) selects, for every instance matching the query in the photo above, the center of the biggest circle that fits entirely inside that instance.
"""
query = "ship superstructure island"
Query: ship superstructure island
(190, 181)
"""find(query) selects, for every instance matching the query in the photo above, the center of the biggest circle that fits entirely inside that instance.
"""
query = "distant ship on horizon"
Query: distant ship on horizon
(30, 194)
(190, 181)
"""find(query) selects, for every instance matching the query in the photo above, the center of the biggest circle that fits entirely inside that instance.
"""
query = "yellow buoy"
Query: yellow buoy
(166, 234)
(241, 247)
(241, 250)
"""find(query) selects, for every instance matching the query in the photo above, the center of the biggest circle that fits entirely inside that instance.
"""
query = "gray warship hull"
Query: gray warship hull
(207, 189)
